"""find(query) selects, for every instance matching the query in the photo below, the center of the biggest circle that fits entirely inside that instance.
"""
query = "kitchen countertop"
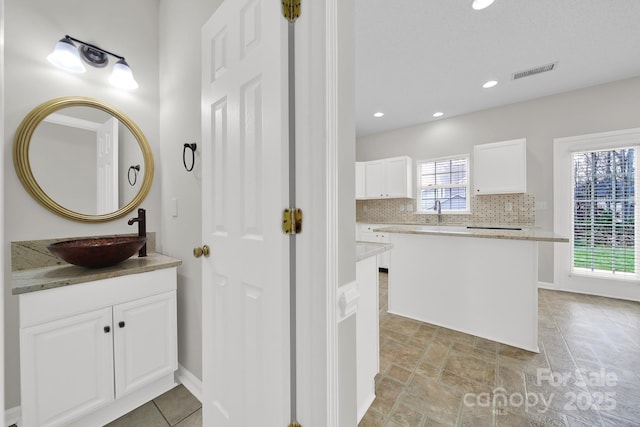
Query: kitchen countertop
(38, 279)
(365, 250)
(462, 231)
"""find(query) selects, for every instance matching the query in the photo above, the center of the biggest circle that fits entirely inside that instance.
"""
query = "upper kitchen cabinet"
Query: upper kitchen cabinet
(500, 167)
(388, 178)
(360, 194)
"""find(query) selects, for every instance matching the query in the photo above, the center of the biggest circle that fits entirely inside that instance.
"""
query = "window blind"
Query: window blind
(445, 180)
(604, 232)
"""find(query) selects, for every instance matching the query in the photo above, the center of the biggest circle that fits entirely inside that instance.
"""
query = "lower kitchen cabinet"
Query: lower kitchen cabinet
(81, 359)
(366, 234)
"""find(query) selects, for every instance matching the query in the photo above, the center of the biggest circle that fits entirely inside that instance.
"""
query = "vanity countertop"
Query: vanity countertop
(38, 279)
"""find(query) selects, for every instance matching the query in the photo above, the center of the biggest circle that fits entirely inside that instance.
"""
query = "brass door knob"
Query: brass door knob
(199, 251)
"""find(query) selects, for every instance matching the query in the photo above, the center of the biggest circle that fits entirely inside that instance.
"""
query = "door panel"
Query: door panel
(107, 190)
(68, 368)
(144, 341)
(245, 181)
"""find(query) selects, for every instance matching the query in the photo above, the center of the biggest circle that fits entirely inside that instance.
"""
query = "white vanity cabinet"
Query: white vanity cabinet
(388, 178)
(500, 167)
(93, 351)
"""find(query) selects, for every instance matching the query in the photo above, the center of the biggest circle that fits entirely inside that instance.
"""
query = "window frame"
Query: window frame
(467, 186)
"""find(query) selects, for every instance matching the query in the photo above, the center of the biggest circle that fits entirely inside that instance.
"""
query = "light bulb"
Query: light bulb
(65, 56)
(122, 76)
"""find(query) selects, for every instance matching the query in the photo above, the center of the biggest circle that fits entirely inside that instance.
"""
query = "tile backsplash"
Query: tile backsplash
(490, 209)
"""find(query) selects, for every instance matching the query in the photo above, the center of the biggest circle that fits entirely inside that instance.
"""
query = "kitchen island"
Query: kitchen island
(479, 281)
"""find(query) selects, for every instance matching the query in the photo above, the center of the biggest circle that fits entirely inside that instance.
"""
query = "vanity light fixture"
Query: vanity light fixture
(438, 114)
(490, 83)
(66, 56)
(481, 4)
(378, 114)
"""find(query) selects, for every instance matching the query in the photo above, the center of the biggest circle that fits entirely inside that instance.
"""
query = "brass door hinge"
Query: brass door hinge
(292, 221)
(291, 9)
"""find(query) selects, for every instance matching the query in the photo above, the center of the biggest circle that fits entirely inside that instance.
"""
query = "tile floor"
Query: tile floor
(175, 408)
(586, 374)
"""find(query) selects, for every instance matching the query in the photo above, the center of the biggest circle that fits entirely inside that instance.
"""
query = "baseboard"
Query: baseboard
(190, 381)
(13, 416)
(548, 285)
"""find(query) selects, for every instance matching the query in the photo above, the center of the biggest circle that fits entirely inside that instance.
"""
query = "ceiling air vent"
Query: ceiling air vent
(534, 70)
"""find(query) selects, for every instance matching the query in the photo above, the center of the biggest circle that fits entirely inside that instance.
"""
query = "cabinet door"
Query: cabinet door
(398, 177)
(375, 179)
(67, 368)
(145, 341)
(360, 180)
(500, 167)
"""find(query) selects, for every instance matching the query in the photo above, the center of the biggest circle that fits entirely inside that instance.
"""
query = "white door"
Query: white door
(67, 368)
(107, 142)
(145, 341)
(245, 182)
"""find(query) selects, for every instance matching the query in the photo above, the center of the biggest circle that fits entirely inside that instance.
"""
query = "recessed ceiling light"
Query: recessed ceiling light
(481, 4)
(490, 83)
(438, 114)
(378, 114)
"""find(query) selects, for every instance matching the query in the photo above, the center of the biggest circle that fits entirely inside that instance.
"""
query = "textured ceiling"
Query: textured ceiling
(416, 57)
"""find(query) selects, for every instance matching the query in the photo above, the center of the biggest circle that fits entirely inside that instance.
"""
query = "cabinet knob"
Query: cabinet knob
(121, 323)
(107, 329)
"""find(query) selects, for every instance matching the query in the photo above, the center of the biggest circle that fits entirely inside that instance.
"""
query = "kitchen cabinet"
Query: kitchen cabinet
(500, 167)
(388, 178)
(360, 193)
(89, 350)
(366, 234)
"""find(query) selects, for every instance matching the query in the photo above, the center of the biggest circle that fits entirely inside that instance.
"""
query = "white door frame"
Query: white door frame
(563, 278)
(325, 182)
(2, 244)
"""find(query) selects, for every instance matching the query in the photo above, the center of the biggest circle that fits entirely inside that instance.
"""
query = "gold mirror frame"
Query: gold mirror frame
(23, 167)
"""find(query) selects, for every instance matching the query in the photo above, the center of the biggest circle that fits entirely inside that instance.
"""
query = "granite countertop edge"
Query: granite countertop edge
(39, 279)
(365, 250)
(528, 234)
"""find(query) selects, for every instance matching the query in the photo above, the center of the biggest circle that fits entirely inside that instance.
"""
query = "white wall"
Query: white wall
(129, 28)
(597, 109)
(179, 124)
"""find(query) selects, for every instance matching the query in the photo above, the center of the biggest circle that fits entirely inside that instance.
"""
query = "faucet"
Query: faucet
(142, 229)
(438, 208)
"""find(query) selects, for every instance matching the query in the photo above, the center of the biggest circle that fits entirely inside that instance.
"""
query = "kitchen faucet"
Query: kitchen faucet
(142, 229)
(438, 208)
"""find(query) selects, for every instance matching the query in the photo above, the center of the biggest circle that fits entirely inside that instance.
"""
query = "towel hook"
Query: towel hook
(192, 147)
(135, 169)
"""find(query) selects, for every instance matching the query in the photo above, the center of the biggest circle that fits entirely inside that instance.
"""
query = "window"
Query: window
(604, 198)
(446, 180)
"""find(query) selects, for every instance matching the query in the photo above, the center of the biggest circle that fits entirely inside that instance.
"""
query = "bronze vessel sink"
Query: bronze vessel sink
(97, 252)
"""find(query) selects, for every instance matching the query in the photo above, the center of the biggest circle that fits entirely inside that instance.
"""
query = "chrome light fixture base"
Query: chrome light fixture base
(92, 56)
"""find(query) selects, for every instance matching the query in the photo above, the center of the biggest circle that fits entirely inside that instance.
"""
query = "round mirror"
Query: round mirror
(83, 159)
